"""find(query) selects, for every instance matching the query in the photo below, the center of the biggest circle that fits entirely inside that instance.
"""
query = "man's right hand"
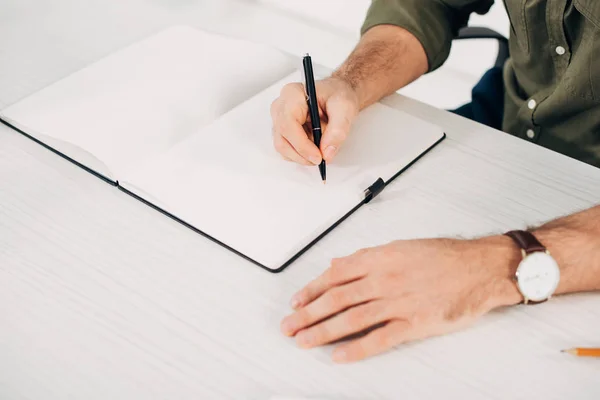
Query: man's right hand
(338, 107)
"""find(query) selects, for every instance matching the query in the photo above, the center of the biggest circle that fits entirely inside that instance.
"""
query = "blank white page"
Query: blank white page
(227, 180)
(143, 99)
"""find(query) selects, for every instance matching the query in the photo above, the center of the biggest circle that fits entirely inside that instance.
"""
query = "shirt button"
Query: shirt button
(532, 104)
(560, 50)
(530, 133)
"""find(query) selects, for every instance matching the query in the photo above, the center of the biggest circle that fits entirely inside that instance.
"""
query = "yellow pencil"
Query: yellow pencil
(582, 352)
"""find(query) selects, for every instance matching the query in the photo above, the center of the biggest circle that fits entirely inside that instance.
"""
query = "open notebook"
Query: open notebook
(181, 121)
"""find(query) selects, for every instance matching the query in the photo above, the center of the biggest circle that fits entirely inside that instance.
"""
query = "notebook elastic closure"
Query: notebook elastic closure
(373, 191)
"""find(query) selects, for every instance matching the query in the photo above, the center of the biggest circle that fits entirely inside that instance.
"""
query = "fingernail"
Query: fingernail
(315, 160)
(304, 339)
(287, 327)
(330, 152)
(295, 303)
(339, 355)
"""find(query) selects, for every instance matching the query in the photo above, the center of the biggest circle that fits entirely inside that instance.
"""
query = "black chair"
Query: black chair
(486, 104)
(475, 32)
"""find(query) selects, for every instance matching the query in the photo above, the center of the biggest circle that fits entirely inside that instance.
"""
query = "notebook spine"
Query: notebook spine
(373, 191)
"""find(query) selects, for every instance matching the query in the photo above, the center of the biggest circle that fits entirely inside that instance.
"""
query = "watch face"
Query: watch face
(538, 276)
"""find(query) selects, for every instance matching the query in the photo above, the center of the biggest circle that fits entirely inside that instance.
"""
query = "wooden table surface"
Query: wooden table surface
(103, 298)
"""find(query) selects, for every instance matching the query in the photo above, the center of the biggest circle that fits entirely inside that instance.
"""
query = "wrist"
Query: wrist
(353, 86)
(556, 240)
(501, 257)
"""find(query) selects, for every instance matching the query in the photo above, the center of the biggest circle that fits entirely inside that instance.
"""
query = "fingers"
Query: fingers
(354, 320)
(289, 114)
(376, 342)
(340, 113)
(299, 141)
(286, 150)
(338, 109)
(331, 302)
(342, 271)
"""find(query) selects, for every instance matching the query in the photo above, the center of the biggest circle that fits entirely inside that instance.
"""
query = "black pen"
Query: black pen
(313, 109)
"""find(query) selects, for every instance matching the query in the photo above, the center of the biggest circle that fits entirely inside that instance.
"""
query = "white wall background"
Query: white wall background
(90, 33)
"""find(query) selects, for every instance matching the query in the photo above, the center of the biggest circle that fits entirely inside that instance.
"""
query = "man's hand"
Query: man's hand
(386, 59)
(338, 106)
(408, 290)
(411, 290)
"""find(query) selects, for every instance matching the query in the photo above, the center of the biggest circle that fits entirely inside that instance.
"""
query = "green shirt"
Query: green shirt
(552, 80)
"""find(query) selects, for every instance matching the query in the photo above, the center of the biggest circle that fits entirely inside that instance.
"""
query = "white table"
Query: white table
(102, 298)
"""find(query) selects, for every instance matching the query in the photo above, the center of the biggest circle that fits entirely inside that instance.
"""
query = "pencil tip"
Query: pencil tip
(569, 351)
(324, 181)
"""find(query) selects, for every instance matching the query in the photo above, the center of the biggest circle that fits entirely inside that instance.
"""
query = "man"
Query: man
(410, 290)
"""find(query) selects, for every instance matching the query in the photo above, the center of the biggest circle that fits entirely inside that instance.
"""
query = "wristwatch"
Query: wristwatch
(538, 274)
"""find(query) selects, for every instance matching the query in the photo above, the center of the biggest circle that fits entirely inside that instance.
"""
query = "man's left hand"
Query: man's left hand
(403, 291)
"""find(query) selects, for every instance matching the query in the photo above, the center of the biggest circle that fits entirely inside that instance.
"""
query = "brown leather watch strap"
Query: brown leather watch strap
(526, 241)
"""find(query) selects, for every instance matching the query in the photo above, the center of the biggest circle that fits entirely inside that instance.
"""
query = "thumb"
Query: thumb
(340, 114)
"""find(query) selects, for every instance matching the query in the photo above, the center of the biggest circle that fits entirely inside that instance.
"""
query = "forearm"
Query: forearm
(574, 242)
(386, 59)
(402, 40)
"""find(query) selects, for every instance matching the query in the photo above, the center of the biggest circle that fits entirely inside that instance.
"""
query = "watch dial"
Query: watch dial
(538, 276)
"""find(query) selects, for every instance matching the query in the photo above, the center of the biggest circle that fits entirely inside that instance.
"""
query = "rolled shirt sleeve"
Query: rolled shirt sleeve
(435, 23)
